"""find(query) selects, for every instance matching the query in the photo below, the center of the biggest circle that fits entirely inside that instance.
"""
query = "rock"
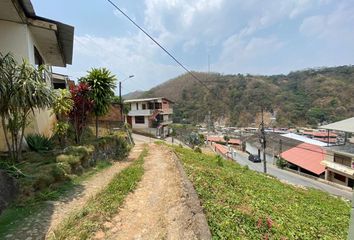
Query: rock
(8, 189)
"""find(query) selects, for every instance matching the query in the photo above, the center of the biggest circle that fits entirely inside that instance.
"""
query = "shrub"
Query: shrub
(198, 150)
(39, 142)
(219, 161)
(281, 163)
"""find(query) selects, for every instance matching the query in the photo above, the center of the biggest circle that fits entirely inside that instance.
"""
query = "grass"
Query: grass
(242, 204)
(83, 224)
(9, 219)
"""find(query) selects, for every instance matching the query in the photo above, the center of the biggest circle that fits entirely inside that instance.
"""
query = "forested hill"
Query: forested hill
(304, 97)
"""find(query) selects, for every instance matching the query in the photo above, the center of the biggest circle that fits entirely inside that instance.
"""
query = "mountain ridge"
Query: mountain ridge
(300, 98)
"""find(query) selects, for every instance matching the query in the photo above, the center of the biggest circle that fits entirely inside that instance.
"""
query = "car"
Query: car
(254, 158)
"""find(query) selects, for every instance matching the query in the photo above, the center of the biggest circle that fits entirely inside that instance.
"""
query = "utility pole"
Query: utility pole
(120, 97)
(263, 142)
(121, 101)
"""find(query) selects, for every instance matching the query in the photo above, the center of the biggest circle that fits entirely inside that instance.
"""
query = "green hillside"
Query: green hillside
(304, 97)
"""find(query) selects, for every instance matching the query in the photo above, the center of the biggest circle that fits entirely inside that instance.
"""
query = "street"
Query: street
(293, 178)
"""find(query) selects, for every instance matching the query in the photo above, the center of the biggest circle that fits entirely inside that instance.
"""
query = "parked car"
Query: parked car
(254, 158)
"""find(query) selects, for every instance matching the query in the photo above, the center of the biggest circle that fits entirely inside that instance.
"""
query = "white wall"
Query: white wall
(14, 39)
(140, 125)
(18, 39)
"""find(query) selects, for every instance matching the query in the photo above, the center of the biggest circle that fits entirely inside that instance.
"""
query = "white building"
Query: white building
(150, 115)
(38, 40)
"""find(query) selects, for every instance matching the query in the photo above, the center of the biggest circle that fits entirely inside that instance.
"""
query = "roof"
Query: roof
(221, 139)
(54, 38)
(320, 134)
(273, 142)
(147, 100)
(306, 156)
(346, 125)
(221, 148)
(304, 139)
(347, 149)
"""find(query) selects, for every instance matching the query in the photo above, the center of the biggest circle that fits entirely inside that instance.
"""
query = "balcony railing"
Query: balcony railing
(145, 112)
(149, 112)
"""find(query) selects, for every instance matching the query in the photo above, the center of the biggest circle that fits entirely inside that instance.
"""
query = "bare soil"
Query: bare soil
(164, 205)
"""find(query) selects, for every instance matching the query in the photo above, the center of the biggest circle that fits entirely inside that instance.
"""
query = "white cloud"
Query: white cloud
(125, 56)
(337, 25)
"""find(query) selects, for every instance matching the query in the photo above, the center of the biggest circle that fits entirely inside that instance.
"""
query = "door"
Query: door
(129, 120)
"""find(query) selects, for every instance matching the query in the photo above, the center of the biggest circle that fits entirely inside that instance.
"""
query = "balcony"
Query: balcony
(149, 112)
(145, 112)
(339, 167)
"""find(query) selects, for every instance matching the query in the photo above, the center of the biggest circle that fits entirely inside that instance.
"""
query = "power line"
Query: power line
(168, 53)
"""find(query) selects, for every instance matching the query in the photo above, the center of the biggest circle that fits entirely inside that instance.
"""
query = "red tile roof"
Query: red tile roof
(221, 139)
(320, 134)
(306, 156)
(221, 148)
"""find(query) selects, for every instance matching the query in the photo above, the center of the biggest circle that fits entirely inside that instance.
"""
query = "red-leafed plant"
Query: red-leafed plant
(83, 105)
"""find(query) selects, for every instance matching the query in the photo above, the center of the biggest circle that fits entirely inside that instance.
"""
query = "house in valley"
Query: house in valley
(150, 115)
(38, 40)
(339, 162)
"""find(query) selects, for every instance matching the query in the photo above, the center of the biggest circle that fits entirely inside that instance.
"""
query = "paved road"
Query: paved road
(242, 158)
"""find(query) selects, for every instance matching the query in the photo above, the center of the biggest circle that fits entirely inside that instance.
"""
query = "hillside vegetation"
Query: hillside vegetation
(306, 97)
(242, 204)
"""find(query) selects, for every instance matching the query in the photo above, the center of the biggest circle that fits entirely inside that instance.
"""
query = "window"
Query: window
(346, 161)
(139, 119)
(137, 106)
(144, 106)
(37, 57)
(339, 177)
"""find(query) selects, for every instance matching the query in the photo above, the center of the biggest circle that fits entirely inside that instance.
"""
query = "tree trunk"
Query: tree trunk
(96, 126)
(9, 149)
(19, 154)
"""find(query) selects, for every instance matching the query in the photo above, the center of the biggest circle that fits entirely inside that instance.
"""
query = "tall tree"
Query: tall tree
(23, 90)
(102, 84)
(63, 104)
(82, 107)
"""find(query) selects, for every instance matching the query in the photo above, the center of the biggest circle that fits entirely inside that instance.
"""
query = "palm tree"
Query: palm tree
(102, 84)
(22, 91)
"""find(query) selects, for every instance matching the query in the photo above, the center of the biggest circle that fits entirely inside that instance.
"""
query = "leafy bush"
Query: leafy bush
(39, 142)
(198, 150)
(281, 163)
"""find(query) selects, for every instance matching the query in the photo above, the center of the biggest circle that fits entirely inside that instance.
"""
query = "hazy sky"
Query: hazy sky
(253, 36)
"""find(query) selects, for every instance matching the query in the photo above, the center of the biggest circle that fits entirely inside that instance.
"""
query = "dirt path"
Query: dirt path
(164, 206)
(41, 225)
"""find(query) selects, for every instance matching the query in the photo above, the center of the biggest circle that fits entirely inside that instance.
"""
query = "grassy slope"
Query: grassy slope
(238, 202)
(98, 209)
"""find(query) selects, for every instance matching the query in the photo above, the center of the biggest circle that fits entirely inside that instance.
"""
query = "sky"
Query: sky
(253, 36)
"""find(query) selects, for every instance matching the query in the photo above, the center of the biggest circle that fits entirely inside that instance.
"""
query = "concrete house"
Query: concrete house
(339, 165)
(39, 41)
(339, 162)
(150, 115)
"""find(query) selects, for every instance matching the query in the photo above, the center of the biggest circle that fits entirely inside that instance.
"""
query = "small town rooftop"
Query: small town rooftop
(147, 100)
(346, 125)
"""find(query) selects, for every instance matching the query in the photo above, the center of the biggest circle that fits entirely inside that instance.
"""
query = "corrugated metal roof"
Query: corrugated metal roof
(146, 99)
(306, 156)
(304, 139)
(346, 125)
